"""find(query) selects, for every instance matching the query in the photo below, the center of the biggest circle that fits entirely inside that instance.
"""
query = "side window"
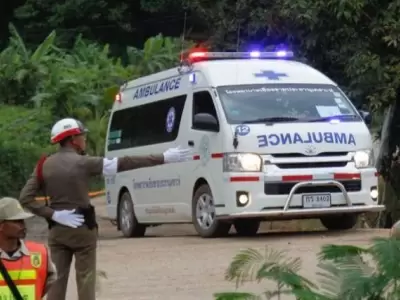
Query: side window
(147, 124)
(203, 103)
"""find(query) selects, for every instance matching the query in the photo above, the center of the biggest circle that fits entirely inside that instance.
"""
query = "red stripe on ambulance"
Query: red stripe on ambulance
(346, 176)
(244, 178)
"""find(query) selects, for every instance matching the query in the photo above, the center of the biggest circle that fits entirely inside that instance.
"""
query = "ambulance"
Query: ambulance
(272, 139)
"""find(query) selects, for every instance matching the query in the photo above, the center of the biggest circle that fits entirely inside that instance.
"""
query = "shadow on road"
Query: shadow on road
(187, 232)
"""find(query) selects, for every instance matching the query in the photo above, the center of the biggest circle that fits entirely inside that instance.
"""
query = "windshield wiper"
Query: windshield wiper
(341, 117)
(272, 120)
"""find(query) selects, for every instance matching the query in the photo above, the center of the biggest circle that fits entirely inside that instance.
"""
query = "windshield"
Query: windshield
(259, 103)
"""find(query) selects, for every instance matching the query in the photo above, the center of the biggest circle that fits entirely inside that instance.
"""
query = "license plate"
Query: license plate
(316, 201)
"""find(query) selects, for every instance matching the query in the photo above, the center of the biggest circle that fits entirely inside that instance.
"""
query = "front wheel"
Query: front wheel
(203, 214)
(340, 222)
(127, 220)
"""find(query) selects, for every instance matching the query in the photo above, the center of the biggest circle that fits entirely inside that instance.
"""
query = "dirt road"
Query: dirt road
(173, 263)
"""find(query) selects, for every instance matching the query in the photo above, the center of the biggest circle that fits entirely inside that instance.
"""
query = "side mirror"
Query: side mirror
(204, 121)
(366, 116)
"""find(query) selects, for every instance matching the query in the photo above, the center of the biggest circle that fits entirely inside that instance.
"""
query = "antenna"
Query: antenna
(183, 35)
(238, 38)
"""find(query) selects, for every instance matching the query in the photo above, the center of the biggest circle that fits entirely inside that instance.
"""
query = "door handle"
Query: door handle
(191, 143)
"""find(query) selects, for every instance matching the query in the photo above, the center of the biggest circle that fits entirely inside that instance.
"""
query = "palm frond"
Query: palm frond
(285, 276)
(304, 294)
(386, 254)
(236, 296)
(350, 277)
(250, 265)
(334, 252)
(346, 273)
(246, 265)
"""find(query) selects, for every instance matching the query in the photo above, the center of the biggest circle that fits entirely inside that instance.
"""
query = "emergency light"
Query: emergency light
(203, 55)
(118, 98)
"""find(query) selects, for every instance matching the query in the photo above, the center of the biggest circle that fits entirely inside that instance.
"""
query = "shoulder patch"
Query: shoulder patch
(36, 259)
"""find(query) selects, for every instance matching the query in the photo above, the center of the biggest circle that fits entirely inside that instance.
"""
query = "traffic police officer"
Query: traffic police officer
(65, 178)
(28, 264)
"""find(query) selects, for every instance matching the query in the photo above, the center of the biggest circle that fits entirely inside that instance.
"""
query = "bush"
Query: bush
(24, 135)
(49, 83)
(16, 161)
(346, 273)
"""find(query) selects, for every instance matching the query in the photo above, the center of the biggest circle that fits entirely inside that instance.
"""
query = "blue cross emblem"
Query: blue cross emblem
(170, 120)
(271, 75)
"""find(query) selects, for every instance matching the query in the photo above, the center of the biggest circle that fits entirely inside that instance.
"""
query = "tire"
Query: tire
(206, 228)
(246, 227)
(340, 222)
(127, 220)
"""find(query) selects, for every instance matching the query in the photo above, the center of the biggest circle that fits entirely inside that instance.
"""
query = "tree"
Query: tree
(118, 23)
(96, 20)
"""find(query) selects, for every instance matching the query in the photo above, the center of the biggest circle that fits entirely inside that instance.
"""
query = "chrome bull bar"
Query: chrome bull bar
(316, 183)
(287, 213)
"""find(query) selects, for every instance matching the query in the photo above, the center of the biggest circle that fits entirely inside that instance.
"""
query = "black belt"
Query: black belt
(89, 215)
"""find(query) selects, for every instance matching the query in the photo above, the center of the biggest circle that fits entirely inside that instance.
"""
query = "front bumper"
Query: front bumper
(303, 213)
(290, 206)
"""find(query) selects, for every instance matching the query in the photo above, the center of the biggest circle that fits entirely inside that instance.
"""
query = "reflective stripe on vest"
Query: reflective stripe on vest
(29, 273)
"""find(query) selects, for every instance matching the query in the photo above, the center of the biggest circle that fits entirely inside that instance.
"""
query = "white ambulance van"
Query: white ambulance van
(272, 139)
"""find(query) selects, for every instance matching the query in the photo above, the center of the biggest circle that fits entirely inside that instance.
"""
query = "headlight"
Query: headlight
(242, 162)
(364, 159)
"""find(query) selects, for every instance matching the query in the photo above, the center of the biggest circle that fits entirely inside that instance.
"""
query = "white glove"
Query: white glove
(177, 155)
(68, 218)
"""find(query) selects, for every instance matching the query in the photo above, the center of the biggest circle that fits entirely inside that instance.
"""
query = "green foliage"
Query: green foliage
(370, 271)
(37, 17)
(42, 85)
(22, 141)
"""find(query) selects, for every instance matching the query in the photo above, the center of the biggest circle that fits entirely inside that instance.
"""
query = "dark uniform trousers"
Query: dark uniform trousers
(65, 180)
(66, 243)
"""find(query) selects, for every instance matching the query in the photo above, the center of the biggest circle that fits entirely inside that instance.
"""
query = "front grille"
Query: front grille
(284, 188)
(323, 164)
(294, 155)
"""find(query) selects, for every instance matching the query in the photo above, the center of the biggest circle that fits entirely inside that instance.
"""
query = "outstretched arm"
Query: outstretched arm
(104, 166)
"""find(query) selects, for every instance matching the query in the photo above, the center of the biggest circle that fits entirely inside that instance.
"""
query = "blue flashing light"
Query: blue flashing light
(255, 54)
(281, 53)
(192, 78)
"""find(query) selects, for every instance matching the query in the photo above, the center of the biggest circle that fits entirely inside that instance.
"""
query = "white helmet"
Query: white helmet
(66, 128)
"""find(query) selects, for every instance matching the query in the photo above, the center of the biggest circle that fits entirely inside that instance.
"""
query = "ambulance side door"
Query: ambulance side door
(207, 144)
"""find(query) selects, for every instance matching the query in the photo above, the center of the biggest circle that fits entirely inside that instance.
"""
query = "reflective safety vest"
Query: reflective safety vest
(29, 273)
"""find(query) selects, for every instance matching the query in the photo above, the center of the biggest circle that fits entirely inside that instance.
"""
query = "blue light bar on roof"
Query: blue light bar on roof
(235, 55)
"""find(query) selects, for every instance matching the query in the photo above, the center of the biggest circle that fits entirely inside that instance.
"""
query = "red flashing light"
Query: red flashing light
(197, 55)
(118, 98)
